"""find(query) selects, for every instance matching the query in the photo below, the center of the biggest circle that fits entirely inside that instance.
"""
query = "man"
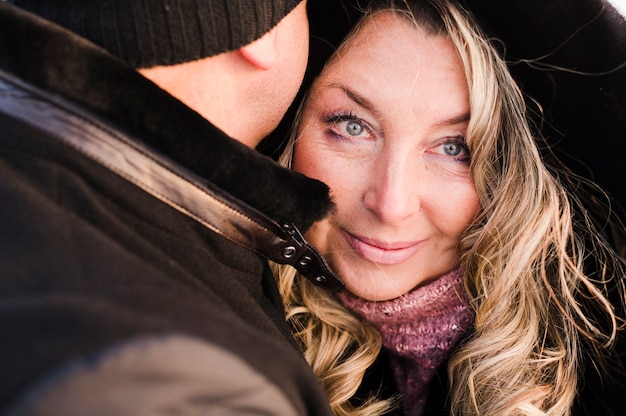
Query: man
(132, 280)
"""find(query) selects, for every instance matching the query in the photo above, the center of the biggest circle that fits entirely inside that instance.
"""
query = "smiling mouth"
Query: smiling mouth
(382, 253)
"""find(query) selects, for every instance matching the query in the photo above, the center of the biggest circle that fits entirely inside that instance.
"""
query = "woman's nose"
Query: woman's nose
(392, 192)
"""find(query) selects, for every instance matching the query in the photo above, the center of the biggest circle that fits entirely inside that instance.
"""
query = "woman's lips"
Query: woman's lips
(382, 253)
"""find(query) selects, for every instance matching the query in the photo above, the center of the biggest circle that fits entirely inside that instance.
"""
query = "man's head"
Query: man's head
(147, 33)
(238, 63)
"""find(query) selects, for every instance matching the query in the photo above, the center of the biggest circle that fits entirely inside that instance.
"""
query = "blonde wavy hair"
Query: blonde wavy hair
(541, 304)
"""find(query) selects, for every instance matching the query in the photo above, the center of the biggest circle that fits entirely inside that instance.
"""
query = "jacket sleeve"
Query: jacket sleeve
(156, 376)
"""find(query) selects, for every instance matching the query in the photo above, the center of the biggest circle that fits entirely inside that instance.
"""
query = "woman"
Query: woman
(459, 249)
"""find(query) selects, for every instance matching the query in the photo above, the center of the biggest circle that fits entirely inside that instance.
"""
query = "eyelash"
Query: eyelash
(341, 117)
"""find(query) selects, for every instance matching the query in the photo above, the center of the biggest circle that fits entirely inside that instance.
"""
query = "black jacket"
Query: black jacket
(111, 301)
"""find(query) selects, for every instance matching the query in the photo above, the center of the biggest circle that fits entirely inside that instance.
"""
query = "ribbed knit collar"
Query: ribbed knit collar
(419, 329)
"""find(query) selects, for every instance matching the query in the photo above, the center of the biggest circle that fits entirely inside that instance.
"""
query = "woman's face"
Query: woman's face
(384, 127)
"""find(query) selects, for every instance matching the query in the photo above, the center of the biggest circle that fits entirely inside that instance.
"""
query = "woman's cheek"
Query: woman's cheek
(312, 159)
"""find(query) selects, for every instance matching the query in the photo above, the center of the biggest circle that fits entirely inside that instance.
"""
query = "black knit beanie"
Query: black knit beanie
(147, 33)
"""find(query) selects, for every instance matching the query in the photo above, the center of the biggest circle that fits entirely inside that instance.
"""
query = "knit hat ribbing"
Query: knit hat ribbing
(147, 33)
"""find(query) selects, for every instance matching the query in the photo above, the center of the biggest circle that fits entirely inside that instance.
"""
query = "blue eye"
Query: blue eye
(354, 128)
(348, 126)
(453, 148)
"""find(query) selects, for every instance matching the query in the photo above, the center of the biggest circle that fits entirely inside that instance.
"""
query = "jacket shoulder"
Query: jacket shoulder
(147, 376)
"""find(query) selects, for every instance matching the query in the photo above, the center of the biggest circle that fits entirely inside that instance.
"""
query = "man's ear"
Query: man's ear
(262, 52)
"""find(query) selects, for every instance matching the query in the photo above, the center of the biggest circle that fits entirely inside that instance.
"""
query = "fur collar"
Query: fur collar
(49, 57)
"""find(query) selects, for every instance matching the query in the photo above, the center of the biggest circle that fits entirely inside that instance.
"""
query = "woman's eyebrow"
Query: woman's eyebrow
(458, 119)
(361, 101)
(368, 105)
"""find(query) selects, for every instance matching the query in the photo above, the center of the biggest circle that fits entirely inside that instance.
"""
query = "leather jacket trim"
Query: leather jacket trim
(165, 180)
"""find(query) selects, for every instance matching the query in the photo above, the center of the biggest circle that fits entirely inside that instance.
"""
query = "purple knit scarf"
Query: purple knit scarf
(419, 329)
